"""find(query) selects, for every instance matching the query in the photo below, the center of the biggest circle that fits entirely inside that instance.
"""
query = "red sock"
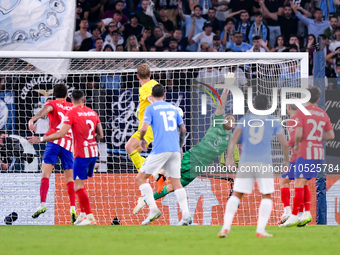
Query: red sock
(44, 185)
(285, 196)
(301, 207)
(84, 200)
(307, 198)
(298, 200)
(82, 209)
(71, 193)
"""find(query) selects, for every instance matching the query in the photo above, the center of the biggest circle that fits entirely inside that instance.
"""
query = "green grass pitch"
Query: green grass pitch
(166, 240)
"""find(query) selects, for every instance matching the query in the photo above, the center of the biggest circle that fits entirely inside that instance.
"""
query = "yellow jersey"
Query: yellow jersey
(144, 92)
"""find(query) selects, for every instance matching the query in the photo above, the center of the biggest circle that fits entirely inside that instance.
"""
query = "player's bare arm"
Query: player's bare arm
(285, 149)
(298, 137)
(143, 143)
(99, 132)
(328, 135)
(230, 152)
(61, 133)
(41, 114)
(182, 133)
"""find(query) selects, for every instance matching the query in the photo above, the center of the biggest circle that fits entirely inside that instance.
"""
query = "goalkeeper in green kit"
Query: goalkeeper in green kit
(214, 143)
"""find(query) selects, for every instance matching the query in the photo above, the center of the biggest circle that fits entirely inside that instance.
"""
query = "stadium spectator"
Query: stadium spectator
(116, 18)
(79, 15)
(188, 20)
(165, 39)
(258, 45)
(258, 29)
(329, 32)
(206, 36)
(145, 37)
(132, 28)
(238, 45)
(113, 38)
(217, 44)
(89, 43)
(206, 48)
(156, 35)
(290, 75)
(334, 80)
(90, 87)
(119, 6)
(108, 47)
(294, 39)
(120, 47)
(228, 32)
(336, 43)
(98, 46)
(148, 17)
(167, 25)
(131, 42)
(222, 9)
(96, 11)
(173, 45)
(216, 24)
(275, 7)
(279, 44)
(81, 34)
(85, 8)
(288, 23)
(315, 26)
(243, 24)
(111, 81)
(206, 5)
(249, 5)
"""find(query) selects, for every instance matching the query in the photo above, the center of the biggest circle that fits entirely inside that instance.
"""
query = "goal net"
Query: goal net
(111, 88)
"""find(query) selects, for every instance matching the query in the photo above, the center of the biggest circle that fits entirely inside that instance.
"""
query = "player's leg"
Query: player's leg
(231, 208)
(83, 168)
(285, 198)
(153, 162)
(266, 186)
(172, 169)
(133, 149)
(67, 159)
(50, 158)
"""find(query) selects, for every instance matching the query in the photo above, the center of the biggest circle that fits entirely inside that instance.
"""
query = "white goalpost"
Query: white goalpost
(111, 89)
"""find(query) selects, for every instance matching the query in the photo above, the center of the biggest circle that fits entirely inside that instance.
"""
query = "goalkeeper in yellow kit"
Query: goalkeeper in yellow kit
(203, 153)
(145, 98)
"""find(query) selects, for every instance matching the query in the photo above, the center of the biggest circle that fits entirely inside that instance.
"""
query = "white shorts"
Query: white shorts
(169, 161)
(244, 181)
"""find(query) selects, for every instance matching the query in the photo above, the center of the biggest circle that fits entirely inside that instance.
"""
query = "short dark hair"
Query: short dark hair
(258, 14)
(256, 37)
(261, 102)
(333, 17)
(60, 90)
(229, 19)
(197, 5)
(77, 94)
(315, 94)
(317, 9)
(336, 29)
(158, 90)
(216, 37)
(94, 27)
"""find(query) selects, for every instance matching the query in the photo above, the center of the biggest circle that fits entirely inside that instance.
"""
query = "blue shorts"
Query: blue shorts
(83, 168)
(291, 172)
(307, 168)
(53, 151)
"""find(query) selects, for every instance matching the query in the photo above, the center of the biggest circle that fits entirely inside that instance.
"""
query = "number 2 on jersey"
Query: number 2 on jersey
(91, 134)
(169, 116)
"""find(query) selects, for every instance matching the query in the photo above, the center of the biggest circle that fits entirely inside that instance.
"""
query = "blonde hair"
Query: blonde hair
(143, 71)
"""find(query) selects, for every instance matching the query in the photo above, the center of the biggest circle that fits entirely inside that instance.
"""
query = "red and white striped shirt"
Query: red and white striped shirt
(56, 117)
(314, 126)
(83, 121)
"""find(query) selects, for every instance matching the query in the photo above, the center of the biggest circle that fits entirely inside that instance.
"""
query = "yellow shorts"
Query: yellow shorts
(148, 135)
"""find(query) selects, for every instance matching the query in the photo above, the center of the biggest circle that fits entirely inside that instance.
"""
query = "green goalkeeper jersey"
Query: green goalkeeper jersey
(213, 144)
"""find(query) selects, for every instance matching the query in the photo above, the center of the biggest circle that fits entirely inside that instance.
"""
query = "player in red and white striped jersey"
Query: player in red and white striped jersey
(310, 131)
(87, 130)
(61, 148)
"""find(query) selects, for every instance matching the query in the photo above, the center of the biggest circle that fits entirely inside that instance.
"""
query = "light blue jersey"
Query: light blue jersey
(164, 120)
(256, 138)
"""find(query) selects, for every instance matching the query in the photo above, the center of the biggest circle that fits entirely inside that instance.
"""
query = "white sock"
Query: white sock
(287, 210)
(43, 204)
(182, 199)
(230, 211)
(264, 214)
(147, 193)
